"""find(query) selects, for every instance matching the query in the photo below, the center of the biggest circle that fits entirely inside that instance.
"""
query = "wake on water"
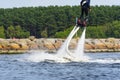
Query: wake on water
(41, 56)
(63, 54)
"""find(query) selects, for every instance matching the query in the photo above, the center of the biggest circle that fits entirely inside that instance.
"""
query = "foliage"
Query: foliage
(56, 19)
(2, 32)
(16, 32)
(104, 31)
(63, 34)
(44, 34)
(113, 29)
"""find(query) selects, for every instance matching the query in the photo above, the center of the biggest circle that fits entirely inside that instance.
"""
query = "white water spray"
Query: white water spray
(78, 54)
(63, 51)
(80, 45)
(63, 54)
(79, 51)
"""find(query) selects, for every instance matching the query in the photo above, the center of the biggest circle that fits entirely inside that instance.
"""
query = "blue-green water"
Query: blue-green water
(102, 66)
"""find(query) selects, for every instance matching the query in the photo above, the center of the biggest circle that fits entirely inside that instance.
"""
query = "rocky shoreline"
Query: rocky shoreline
(53, 44)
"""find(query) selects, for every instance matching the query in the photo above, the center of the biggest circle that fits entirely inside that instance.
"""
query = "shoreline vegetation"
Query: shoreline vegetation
(57, 22)
(15, 46)
(51, 24)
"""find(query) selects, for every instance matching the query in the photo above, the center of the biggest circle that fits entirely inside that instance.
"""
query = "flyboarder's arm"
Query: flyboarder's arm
(81, 3)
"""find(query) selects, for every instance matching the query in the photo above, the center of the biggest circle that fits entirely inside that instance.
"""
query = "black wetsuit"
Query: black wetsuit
(85, 6)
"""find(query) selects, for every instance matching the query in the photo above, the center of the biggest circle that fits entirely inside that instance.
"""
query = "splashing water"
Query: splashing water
(40, 56)
(80, 45)
(63, 51)
(79, 51)
(63, 54)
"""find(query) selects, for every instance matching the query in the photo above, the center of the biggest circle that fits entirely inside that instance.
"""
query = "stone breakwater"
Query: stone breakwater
(51, 45)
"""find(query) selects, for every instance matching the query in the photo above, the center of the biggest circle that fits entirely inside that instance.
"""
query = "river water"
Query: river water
(101, 66)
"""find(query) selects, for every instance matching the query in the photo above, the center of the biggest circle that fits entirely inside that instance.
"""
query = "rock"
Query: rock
(23, 41)
(119, 46)
(58, 44)
(13, 40)
(40, 43)
(111, 40)
(14, 46)
(91, 45)
(4, 42)
(32, 38)
(109, 45)
(49, 45)
(116, 46)
(100, 46)
(1, 47)
(32, 45)
(87, 46)
(23, 47)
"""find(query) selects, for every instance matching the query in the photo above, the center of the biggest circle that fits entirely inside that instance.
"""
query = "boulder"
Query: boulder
(111, 40)
(87, 46)
(32, 38)
(49, 45)
(100, 46)
(116, 46)
(23, 47)
(58, 44)
(4, 42)
(40, 43)
(14, 46)
(23, 41)
(32, 45)
(119, 46)
(1, 47)
(110, 45)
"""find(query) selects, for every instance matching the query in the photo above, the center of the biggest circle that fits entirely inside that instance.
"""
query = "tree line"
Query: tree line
(49, 21)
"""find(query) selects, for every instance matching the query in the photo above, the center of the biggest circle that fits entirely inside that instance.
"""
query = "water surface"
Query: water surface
(101, 66)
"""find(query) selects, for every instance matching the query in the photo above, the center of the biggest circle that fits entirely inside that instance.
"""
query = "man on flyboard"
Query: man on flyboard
(85, 8)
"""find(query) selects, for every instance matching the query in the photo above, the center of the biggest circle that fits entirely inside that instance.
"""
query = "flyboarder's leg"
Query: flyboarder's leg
(85, 20)
(79, 22)
(84, 23)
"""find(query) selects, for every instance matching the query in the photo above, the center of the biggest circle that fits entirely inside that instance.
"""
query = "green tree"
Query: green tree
(20, 33)
(11, 32)
(17, 32)
(34, 20)
(44, 33)
(2, 32)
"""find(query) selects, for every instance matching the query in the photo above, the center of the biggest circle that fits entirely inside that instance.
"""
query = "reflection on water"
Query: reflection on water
(101, 66)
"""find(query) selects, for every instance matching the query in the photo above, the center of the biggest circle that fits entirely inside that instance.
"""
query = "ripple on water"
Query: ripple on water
(14, 67)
